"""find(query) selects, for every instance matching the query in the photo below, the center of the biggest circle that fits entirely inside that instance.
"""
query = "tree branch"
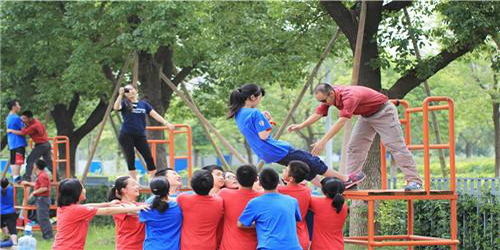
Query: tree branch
(93, 120)
(431, 66)
(343, 18)
(73, 104)
(183, 74)
(396, 6)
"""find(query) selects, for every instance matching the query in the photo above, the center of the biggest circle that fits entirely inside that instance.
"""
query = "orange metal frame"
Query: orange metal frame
(371, 196)
(170, 141)
(56, 141)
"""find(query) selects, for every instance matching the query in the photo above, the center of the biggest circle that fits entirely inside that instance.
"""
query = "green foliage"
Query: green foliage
(477, 220)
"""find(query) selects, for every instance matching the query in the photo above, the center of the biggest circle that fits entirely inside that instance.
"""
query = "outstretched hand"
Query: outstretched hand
(317, 147)
(170, 126)
(293, 127)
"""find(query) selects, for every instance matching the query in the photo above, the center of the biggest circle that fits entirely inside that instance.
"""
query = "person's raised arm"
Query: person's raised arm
(112, 203)
(118, 103)
(320, 145)
(161, 120)
(309, 121)
(16, 132)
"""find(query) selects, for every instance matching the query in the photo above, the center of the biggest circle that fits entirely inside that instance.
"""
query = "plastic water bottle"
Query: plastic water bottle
(27, 242)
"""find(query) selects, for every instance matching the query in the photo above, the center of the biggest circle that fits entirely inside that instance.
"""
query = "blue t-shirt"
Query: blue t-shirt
(7, 201)
(15, 141)
(251, 121)
(163, 230)
(134, 122)
(275, 217)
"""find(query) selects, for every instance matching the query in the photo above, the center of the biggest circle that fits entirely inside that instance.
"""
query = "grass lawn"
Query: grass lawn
(98, 238)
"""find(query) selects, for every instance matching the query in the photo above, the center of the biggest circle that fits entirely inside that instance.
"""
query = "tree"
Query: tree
(464, 36)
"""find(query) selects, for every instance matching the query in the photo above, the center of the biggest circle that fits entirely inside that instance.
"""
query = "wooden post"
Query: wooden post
(354, 81)
(202, 118)
(309, 82)
(104, 120)
(427, 89)
(218, 151)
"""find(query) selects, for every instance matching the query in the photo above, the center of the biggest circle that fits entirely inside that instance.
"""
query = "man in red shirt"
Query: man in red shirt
(42, 195)
(294, 174)
(235, 201)
(377, 115)
(201, 213)
(35, 129)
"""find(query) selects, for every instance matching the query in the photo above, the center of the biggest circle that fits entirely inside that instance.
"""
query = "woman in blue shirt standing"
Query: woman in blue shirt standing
(7, 212)
(133, 130)
(256, 127)
(164, 220)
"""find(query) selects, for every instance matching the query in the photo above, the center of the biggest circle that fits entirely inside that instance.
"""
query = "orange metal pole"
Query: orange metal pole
(68, 171)
(371, 224)
(383, 166)
(426, 146)
(451, 138)
(171, 149)
(410, 220)
(189, 153)
(453, 222)
(153, 152)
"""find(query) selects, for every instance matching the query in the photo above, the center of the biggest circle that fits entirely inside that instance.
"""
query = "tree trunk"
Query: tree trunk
(155, 92)
(468, 149)
(496, 122)
(359, 209)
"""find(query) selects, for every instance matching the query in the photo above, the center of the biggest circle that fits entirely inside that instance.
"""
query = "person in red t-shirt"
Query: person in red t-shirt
(330, 213)
(130, 232)
(218, 174)
(294, 174)
(42, 195)
(35, 129)
(73, 218)
(235, 201)
(201, 213)
(377, 115)
(230, 180)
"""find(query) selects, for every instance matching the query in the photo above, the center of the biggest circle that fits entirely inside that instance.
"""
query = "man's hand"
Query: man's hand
(318, 147)
(294, 127)
(267, 115)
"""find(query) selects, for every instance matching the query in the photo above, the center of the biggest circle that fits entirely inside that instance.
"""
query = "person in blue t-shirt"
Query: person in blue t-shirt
(164, 220)
(274, 215)
(8, 214)
(256, 127)
(17, 143)
(174, 180)
(133, 130)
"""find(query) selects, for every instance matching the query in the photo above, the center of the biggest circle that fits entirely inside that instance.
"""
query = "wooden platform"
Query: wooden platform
(399, 194)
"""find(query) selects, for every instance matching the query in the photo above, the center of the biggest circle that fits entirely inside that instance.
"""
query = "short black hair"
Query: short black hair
(41, 164)
(299, 170)
(202, 182)
(246, 175)
(211, 168)
(5, 183)
(28, 114)
(11, 104)
(269, 178)
(162, 172)
(69, 192)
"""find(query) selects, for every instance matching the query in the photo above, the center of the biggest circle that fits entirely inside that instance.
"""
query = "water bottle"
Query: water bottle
(27, 242)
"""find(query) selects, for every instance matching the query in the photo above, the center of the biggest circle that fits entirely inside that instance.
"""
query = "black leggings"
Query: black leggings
(128, 143)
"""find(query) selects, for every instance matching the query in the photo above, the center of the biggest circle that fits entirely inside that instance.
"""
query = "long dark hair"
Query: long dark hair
(240, 95)
(5, 184)
(160, 188)
(69, 192)
(334, 188)
(116, 191)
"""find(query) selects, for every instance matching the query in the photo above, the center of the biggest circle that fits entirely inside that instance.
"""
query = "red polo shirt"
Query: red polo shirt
(43, 180)
(129, 232)
(328, 225)
(36, 131)
(72, 226)
(303, 195)
(357, 100)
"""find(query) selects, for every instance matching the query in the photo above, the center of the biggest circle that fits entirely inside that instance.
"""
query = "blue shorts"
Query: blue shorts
(316, 165)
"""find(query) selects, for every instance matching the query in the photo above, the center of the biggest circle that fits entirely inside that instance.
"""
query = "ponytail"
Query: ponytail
(240, 95)
(159, 204)
(334, 188)
(128, 105)
(160, 188)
